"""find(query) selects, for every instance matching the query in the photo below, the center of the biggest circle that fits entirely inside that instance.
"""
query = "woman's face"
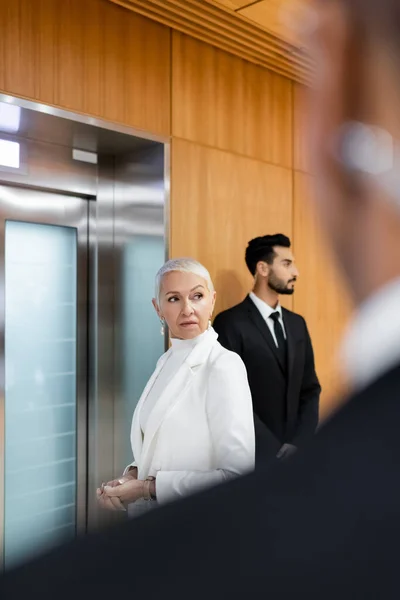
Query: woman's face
(185, 303)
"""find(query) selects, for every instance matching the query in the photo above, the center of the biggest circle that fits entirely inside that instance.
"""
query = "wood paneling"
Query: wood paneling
(93, 62)
(219, 201)
(225, 102)
(69, 52)
(301, 161)
(90, 57)
(45, 55)
(226, 29)
(19, 46)
(237, 134)
(321, 295)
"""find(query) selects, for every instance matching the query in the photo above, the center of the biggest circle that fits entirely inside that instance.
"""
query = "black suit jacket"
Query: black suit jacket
(323, 525)
(285, 402)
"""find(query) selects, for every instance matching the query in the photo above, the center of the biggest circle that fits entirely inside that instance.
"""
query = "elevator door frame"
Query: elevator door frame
(105, 228)
(30, 205)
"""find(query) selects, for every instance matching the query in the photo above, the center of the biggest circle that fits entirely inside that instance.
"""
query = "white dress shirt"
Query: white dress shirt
(372, 343)
(266, 312)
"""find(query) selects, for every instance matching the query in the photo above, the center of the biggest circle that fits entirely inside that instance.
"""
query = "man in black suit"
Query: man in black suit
(276, 348)
(326, 524)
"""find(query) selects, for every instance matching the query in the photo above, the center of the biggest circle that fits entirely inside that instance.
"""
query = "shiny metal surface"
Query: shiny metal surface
(139, 214)
(132, 202)
(47, 208)
(93, 475)
(65, 131)
(50, 167)
(101, 357)
(130, 184)
(167, 213)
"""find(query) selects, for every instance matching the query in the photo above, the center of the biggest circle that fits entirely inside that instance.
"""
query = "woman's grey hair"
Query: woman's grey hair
(185, 265)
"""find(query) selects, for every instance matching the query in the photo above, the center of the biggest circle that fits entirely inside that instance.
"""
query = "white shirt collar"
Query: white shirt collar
(372, 343)
(265, 309)
(178, 345)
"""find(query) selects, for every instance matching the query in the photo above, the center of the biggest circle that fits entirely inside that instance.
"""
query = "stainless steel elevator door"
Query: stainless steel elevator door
(43, 369)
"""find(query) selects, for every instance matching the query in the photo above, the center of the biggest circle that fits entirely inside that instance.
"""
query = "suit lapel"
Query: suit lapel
(136, 432)
(173, 393)
(261, 325)
(291, 342)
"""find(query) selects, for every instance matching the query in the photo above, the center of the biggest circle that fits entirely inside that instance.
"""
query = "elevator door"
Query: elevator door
(43, 369)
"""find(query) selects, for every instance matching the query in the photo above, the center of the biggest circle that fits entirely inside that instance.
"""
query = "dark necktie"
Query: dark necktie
(280, 338)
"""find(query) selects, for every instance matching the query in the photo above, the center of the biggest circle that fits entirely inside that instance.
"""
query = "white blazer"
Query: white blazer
(201, 429)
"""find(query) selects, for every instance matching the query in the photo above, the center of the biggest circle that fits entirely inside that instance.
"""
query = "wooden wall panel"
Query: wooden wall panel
(45, 52)
(90, 57)
(70, 27)
(238, 139)
(219, 201)
(224, 102)
(19, 46)
(301, 160)
(321, 295)
(115, 67)
(93, 100)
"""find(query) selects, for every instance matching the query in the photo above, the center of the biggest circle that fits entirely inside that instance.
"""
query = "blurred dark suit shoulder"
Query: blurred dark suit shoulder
(325, 524)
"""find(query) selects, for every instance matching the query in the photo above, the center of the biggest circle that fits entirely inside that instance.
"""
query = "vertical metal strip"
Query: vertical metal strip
(101, 359)
(2, 386)
(139, 213)
(81, 367)
(167, 215)
(91, 480)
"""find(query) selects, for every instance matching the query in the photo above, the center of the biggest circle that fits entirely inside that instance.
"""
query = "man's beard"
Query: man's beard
(279, 286)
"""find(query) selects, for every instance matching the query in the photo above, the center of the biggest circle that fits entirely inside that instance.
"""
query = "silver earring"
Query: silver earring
(209, 324)
(162, 330)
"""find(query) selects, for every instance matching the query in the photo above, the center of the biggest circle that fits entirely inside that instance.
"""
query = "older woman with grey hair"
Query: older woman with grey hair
(193, 426)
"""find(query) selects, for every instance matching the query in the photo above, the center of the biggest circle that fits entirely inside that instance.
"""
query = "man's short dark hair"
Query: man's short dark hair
(262, 248)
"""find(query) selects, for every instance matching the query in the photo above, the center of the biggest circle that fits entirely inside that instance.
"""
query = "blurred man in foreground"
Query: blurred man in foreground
(326, 524)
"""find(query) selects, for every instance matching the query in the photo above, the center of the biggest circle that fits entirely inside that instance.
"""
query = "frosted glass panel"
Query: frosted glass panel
(40, 387)
(143, 342)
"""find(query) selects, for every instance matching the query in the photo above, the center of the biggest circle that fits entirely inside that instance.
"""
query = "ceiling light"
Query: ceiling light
(9, 154)
(89, 157)
(10, 117)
